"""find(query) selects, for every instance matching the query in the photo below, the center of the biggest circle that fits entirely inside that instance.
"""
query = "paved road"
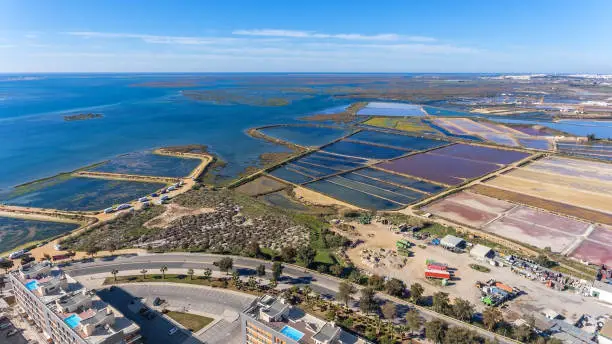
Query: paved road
(296, 276)
(323, 284)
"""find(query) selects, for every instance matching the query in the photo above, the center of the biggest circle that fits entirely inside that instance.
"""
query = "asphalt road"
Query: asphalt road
(323, 284)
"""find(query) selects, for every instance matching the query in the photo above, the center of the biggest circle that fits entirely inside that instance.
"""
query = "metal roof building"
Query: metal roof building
(451, 241)
(482, 252)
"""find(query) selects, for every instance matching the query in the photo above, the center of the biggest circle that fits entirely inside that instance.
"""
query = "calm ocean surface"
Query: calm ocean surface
(36, 142)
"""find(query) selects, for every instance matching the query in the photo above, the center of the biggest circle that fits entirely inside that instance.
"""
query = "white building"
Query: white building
(481, 252)
(605, 334)
(67, 313)
(603, 291)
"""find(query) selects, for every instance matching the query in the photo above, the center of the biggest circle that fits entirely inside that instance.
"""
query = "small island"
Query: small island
(83, 116)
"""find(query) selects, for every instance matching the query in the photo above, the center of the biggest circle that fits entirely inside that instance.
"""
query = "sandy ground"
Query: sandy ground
(569, 195)
(312, 197)
(261, 185)
(536, 299)
(174, 212)
(125, 176)
(36, 216)
(584, 184)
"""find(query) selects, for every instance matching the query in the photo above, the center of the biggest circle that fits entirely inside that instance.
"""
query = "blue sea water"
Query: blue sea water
(149, 164)
(15, 232)
(36, 141)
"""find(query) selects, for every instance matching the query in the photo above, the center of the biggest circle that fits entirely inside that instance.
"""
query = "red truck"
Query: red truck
(440, 274)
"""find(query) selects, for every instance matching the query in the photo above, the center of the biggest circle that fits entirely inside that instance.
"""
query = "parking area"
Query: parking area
(223, 306)
(14, 330)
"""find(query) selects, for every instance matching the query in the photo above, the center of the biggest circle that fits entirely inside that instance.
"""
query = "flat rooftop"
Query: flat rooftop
(59, 291)
(297, 323)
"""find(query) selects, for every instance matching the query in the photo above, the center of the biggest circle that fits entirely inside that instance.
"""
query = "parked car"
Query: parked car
(12, 332)
(4, 326)
(172, 331)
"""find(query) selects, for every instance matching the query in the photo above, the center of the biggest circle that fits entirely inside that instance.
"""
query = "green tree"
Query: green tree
(413, 319)
(114, 272)
(252, 283)
(225, 264)
(491, 317)
(277, 270)
(91, 251)
(336, 270)
(6, 264)
(163, 270)
(460, 335)
(523, 333)
(463, 310)
(377, 282)
(144, 273)
(236, 279)
(367, 302)
(254, 250)
(395, 287)
(435, 330)
(190, 272)
(306, 255)
(207, 273)
(345, 291)
(261, 270)
(307, 290)
(416, 292)
(112, 247)
(389, 310)
(288, 254)
(441, 302)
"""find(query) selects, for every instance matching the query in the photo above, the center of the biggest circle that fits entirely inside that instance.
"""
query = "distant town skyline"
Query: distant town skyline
(314, 36)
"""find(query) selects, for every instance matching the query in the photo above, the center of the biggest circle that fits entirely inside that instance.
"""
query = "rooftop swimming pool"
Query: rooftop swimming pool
(292, 333)
(31, 285)
(73, 321)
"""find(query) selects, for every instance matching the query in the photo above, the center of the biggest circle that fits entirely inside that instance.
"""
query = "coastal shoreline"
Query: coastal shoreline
(88, 218)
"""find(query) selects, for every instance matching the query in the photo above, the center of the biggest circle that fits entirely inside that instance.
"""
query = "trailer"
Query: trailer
(433, 262)
(504, 287)
(437, 267)
(437, 274)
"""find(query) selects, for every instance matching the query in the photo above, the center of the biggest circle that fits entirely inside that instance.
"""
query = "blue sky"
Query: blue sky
(306, 36)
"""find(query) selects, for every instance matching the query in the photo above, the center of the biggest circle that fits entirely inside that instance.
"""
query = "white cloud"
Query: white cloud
(344, 36)
(185, 40)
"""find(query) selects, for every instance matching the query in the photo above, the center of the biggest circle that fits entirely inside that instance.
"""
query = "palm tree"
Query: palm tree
(144, 273)
(190, 272)
(163, 270)
(114, 273)
(307, 290)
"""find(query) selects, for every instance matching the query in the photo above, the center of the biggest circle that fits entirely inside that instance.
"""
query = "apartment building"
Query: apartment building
(270, 320)
(64, 312)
